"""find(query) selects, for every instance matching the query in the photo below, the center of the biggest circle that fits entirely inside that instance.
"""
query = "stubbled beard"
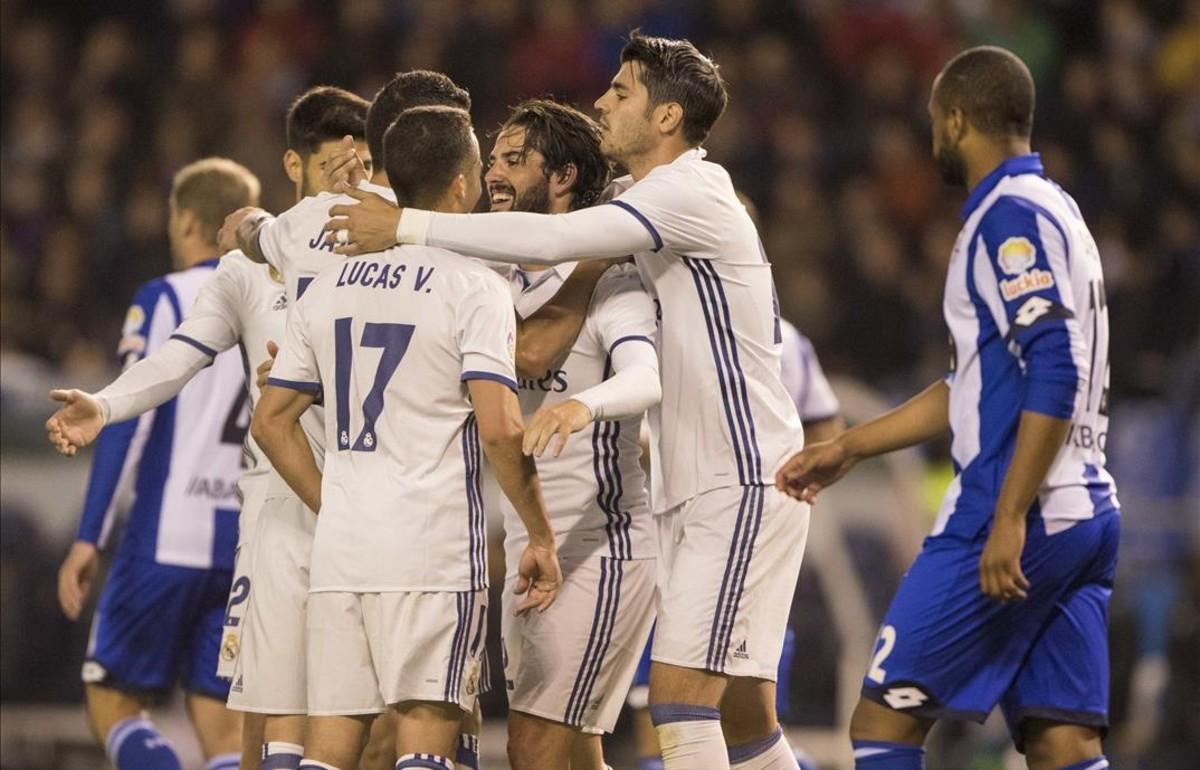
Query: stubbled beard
(950, 166)
(536, 199)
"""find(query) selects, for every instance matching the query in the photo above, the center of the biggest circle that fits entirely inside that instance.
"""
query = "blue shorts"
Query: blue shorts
(947, 651)
(157, 625)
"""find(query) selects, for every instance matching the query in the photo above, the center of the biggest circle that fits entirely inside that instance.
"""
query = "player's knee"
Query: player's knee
(1051, 745)
(873, 722)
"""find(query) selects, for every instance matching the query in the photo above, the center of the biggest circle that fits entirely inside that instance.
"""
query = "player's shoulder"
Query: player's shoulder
(472, 272)
(620, 278)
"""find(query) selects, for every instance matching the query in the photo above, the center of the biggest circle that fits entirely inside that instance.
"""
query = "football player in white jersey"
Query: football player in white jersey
(568, 669)
(730, 545)
(1007, 603)
(243, 304)
(294, 244)
(159, 619)
(397, 615)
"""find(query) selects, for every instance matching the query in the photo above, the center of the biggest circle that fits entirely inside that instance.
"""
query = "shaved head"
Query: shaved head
(992, 88)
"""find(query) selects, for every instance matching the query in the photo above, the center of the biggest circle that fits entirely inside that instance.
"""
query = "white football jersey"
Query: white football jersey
(243, 304)
(804, 378)
(1028, 320)
(595, 491)
(391, 340)
(726, 418)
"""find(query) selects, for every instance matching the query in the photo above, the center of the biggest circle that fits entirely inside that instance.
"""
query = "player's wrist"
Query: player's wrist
(412, 226)
(104, 407)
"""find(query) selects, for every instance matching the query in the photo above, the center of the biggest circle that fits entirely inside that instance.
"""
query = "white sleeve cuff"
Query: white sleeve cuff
(414, 226)
(105, 409)
(632, 389)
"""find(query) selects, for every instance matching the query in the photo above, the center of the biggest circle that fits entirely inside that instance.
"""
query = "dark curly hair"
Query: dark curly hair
(565, 137)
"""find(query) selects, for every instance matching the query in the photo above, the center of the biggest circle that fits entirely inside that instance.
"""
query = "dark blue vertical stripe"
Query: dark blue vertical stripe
(743, 568)
(343, 353)
(712, 662)
(596, 663)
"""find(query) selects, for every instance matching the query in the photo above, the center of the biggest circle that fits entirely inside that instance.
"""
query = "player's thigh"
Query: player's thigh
(734, 557)
(141, 632)
(427, 646)
(218, 729)
(1065, 678)
(342, 679)
(574, 662)
(947, 650)
(270, 673)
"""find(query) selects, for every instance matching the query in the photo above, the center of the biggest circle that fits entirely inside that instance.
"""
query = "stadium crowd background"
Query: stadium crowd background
(826, 132)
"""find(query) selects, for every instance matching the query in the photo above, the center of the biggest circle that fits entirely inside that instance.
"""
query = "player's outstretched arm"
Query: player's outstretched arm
(923, 417)
(276, 428)
(501, 431)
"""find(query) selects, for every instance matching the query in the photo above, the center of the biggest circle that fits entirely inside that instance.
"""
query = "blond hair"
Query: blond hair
(213, 188)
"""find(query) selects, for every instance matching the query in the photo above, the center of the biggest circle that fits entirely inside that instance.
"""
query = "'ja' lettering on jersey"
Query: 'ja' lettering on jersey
(391, 339)
(1029, 324)
(183, 456)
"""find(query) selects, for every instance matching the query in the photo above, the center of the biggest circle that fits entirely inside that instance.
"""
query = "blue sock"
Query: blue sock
(881, 755)
(1095, 763)
(649, 763)
(136, 744)
(280, 755)
(466, 757)
(224, 762)
(423, 761)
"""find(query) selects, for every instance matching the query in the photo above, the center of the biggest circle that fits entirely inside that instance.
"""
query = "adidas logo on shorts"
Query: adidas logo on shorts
(741, 653)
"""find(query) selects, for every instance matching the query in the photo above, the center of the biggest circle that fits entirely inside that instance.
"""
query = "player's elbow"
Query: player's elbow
(266, 430)
(501, 432)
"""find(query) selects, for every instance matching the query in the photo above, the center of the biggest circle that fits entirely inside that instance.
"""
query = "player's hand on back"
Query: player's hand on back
(343, 167)
(538, 577)
(366, 226)
(76, 576)
(264, 369)
(227, 236)
(813, 469)
(558, 421)
(77, 423)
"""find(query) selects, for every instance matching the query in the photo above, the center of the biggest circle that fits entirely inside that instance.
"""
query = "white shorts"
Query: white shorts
(270, 671)
(574, 662)
(369, 651)
(727, 568)
(253, 495)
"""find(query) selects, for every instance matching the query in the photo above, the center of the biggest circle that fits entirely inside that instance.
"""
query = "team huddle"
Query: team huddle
(320, 586)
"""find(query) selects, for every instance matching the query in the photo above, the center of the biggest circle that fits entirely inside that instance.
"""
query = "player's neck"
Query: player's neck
(190, 255)
(380, 178)
(660, 155)
(988, 157)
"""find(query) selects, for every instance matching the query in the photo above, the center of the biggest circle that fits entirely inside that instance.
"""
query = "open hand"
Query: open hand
(369, 225)
(343, 167)
(538, 577)
(76, 424)
(813, 469)
(560, 420)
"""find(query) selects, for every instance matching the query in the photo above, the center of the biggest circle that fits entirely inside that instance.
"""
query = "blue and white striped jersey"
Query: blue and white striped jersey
(1028, 322)
(183, 457)
(805, 379)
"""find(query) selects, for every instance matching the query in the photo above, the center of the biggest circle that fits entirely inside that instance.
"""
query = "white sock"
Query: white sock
(224, 762)
(281, 755)
(770, 753)
(690, 736)
(312, 764)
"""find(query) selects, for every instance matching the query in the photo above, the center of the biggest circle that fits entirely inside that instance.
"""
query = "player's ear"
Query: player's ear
(293, 166)
(563, 180)
(461, 190)
(669, 117)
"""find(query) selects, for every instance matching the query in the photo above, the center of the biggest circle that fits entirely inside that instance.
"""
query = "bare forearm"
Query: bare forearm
(291, 456)
(517, 475)
(1039, 439)
(923, 417)
(823, 430)
(247, 235)
(545, 338)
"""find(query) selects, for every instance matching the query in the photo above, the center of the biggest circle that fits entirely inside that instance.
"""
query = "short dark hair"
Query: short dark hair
(675, 71)
(415, 88)
(424, 150)
(213, 188)
(565, 136)
(992, 87)
(324, 114)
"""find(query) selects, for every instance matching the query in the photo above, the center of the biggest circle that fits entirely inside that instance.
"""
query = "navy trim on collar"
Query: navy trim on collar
(1021, 164)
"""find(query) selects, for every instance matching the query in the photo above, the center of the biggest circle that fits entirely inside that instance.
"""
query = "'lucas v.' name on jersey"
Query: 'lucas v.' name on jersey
(392, 340)
(1029, 325)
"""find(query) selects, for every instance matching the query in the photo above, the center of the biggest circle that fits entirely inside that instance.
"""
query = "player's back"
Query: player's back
(1026, 308)
(401, 507)
(187, 452)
